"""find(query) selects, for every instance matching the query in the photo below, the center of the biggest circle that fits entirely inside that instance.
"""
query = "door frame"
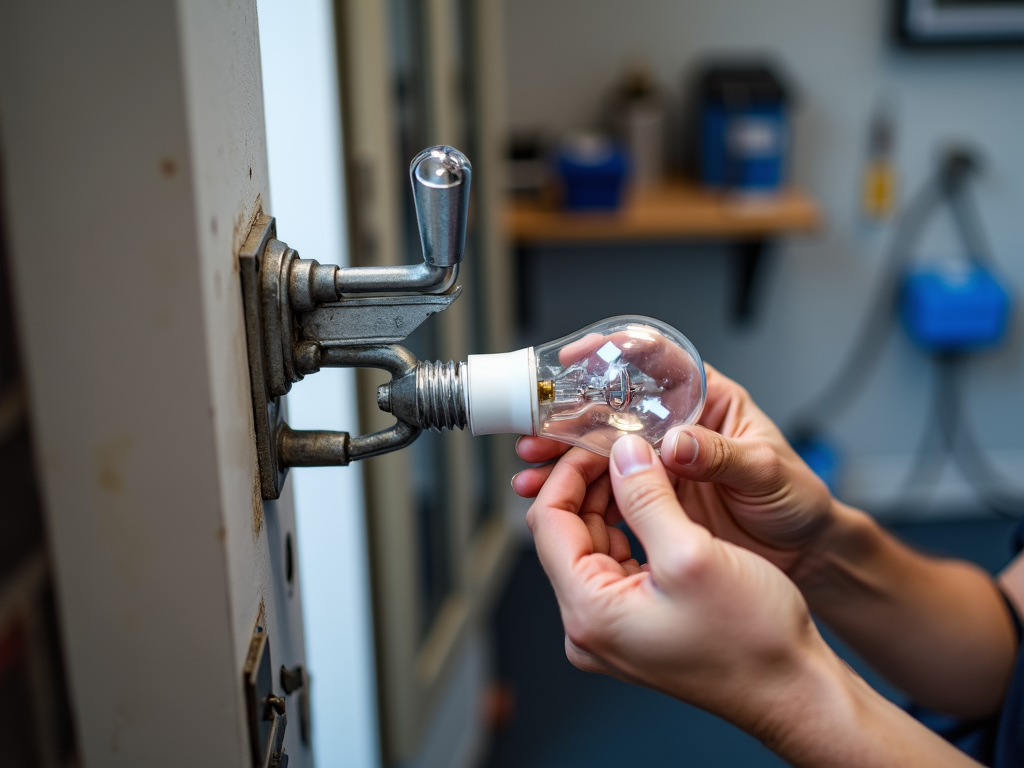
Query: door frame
(135, 163)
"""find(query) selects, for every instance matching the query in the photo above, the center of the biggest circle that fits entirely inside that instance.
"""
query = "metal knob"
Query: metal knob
(440, 179)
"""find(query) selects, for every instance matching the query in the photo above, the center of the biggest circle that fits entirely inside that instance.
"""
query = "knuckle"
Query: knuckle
(768, 461)
(720, 456)
(687, 562)
(580, 631)
(531, 518)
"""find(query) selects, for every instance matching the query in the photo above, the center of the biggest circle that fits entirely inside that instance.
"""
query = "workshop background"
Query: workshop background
(842, 61)
(850, 79)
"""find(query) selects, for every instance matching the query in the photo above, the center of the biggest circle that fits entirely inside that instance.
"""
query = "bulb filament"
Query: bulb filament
(577, 387)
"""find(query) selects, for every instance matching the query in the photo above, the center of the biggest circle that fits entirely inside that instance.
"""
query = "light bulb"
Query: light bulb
(623, 375)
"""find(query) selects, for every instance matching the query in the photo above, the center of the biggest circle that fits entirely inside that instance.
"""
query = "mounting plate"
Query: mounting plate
(268, 408)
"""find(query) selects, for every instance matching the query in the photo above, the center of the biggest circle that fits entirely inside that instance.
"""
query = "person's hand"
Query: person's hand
(704, 620)
(735, 474)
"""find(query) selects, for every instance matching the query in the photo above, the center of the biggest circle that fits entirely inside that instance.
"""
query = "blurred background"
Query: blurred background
(825, 196)
(766, 177)
(843, 122)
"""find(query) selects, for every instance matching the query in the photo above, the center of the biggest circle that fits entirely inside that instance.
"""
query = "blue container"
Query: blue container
(744, 128)
(594, 173)
(955, 309)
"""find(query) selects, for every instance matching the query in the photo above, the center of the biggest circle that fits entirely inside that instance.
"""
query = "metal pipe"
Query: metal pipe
(317, 448)
(313, 448)
(391, 439)
(440, 178)
(396, 360)
(414, 278)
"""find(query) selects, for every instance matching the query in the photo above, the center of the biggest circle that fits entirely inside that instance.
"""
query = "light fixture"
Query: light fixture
(622, 375)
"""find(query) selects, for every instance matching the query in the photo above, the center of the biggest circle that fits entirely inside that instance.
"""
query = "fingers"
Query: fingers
(724, 398)
(535, 450)
(592, 513)
(596, 500)
(529, 482)
(648, 501)
(538, 449)
(598, 533)
(561, 536)
(597, 513)
(580, 348)
(632, 567)
(696, 453)
(618, 546)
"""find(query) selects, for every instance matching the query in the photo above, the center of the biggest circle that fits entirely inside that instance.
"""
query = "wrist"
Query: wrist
(831, 716)
(803, 715)
(848, 538)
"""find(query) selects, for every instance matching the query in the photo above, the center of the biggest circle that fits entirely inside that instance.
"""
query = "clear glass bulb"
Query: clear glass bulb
(623, 375)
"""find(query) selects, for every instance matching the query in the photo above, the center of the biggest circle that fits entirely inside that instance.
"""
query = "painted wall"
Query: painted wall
(307, 198)
(563, 56)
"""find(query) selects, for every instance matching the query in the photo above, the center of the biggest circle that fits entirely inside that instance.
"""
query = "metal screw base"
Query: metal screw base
(441, 395)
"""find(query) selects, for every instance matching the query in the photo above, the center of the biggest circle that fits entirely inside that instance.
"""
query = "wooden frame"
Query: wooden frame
(135, 164)
(416, 653)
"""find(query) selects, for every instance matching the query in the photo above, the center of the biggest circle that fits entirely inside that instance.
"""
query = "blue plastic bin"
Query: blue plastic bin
(744, 128)
(955, 309)
(593, 175)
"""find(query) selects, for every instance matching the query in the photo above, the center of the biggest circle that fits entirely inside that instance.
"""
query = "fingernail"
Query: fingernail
(686, 448)
(631, 454)
(512, 482)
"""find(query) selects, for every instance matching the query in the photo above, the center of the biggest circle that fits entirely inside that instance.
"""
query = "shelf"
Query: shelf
(676, 210)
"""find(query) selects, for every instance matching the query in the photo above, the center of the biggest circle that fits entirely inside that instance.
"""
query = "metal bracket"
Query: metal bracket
(264, 710)
(268, 408)
(301, 316)
(373, 320)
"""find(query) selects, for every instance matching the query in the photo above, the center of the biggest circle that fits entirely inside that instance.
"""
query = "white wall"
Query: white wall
(307, 198)
(564, 54)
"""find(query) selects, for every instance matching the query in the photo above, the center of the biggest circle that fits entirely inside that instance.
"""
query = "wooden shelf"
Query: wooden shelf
(676, 210)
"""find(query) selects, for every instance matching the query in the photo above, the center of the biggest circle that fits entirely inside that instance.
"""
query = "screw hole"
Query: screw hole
(289, 558)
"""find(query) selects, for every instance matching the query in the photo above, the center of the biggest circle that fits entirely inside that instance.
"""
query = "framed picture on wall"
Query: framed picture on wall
(960, 22)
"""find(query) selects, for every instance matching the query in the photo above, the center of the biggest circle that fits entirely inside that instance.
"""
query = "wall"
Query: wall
(307, 198)
(561, 58)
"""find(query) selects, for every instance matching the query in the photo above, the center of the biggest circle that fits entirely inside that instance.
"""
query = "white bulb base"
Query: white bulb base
(501, 396)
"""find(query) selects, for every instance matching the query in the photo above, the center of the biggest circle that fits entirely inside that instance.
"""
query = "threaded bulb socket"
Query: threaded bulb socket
(441, 401)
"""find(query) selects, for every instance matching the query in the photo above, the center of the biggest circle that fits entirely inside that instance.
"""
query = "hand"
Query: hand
(704, 621)
(735, 474)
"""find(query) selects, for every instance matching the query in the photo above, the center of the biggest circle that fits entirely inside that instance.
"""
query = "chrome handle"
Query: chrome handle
(440, 179)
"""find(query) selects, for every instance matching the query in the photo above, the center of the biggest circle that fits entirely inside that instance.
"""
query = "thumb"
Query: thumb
(646, 499)
(696, 453)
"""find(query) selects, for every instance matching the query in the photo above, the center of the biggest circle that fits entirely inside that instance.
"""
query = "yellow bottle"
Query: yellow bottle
(879, 185)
